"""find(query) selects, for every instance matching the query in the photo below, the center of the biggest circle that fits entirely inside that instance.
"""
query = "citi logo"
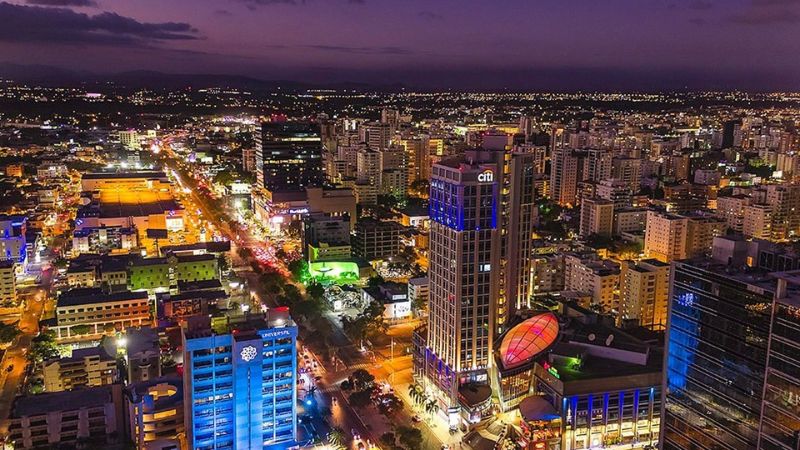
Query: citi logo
(487, 176)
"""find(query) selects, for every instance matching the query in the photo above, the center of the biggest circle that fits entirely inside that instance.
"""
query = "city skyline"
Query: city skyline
(622, 45)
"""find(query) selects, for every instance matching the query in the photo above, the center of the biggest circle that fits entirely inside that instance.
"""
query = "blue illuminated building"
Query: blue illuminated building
(239, 383)
(733, 364)
(13, 244)
(719, 326)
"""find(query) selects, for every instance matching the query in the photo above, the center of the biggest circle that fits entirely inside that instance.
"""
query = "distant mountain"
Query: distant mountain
(56, 76)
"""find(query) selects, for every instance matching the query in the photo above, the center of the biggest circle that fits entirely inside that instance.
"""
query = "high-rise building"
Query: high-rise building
(731, 209)
(463, 253)
(597, 217)
(629, 171)
(780, 414)
(481, 209)
(249, 160)
(644, 293)
(368, 165)
(288, 156)
(564, 176)
(376, 135)
(239, 383)
(597, 166)
(665, 236)
(727, 387)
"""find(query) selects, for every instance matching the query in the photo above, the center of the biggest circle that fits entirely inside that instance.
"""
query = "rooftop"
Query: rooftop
(88, 296)
(41, 404)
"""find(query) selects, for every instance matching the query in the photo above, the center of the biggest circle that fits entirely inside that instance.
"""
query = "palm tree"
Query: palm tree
(336, 437)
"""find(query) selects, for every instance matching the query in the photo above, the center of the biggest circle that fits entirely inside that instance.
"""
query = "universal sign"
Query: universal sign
(487, 176)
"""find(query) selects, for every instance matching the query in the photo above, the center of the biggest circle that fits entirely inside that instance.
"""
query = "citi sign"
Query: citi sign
(487, 176)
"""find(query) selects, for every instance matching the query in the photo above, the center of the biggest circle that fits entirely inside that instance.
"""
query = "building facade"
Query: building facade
(239, 384)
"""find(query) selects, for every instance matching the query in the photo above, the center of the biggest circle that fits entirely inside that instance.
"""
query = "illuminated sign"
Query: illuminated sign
(248, 353)
(552, 370)
(487, 176)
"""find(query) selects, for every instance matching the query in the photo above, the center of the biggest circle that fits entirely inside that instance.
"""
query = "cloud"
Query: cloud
(222, 12)
(768, 12)
(432, 16)
(77, 3)
(361, 50)
(252, 5)
(59, 25)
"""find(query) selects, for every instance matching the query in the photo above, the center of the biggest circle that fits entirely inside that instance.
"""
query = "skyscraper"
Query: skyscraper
(288, 156)
(239, 383)
(481, 208)
(717, 345)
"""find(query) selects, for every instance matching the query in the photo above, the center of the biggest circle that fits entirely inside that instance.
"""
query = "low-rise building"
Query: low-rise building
(142, 354)
(154, 410)
(8, 283)
(86, 367)
(64, 418)
(88, 313)
(595, 276)
(393, 297)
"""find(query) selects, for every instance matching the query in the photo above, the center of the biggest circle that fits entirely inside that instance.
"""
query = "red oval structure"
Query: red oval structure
(529, 338)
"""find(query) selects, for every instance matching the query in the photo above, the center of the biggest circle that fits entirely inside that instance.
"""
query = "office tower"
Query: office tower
(129, 139)
(780, 415)
(564, 176)
(481, 211)
(518, 215)
(665, 236)
(288, 156)
(239, 383)
(464, 254)
(717, 346)
(644, 293)
(597, 217)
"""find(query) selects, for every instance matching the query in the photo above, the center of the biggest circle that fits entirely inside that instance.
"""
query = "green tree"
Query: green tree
(388, 439)
(43, 347)
(362, 379)
(8, 332)
(360, 399)
(299, 269)
(410, 438)
(316, 291)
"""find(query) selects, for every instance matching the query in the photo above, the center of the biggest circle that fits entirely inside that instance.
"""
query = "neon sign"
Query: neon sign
(552, 370)
(487, 176)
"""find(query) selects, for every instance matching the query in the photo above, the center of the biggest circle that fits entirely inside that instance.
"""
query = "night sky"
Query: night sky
(562, 44)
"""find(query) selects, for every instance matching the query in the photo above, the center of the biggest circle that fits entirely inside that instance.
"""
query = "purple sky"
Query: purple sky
(464, 43)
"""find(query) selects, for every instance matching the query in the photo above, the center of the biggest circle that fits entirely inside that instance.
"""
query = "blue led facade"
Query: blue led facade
(717, 353)
(240, 390)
